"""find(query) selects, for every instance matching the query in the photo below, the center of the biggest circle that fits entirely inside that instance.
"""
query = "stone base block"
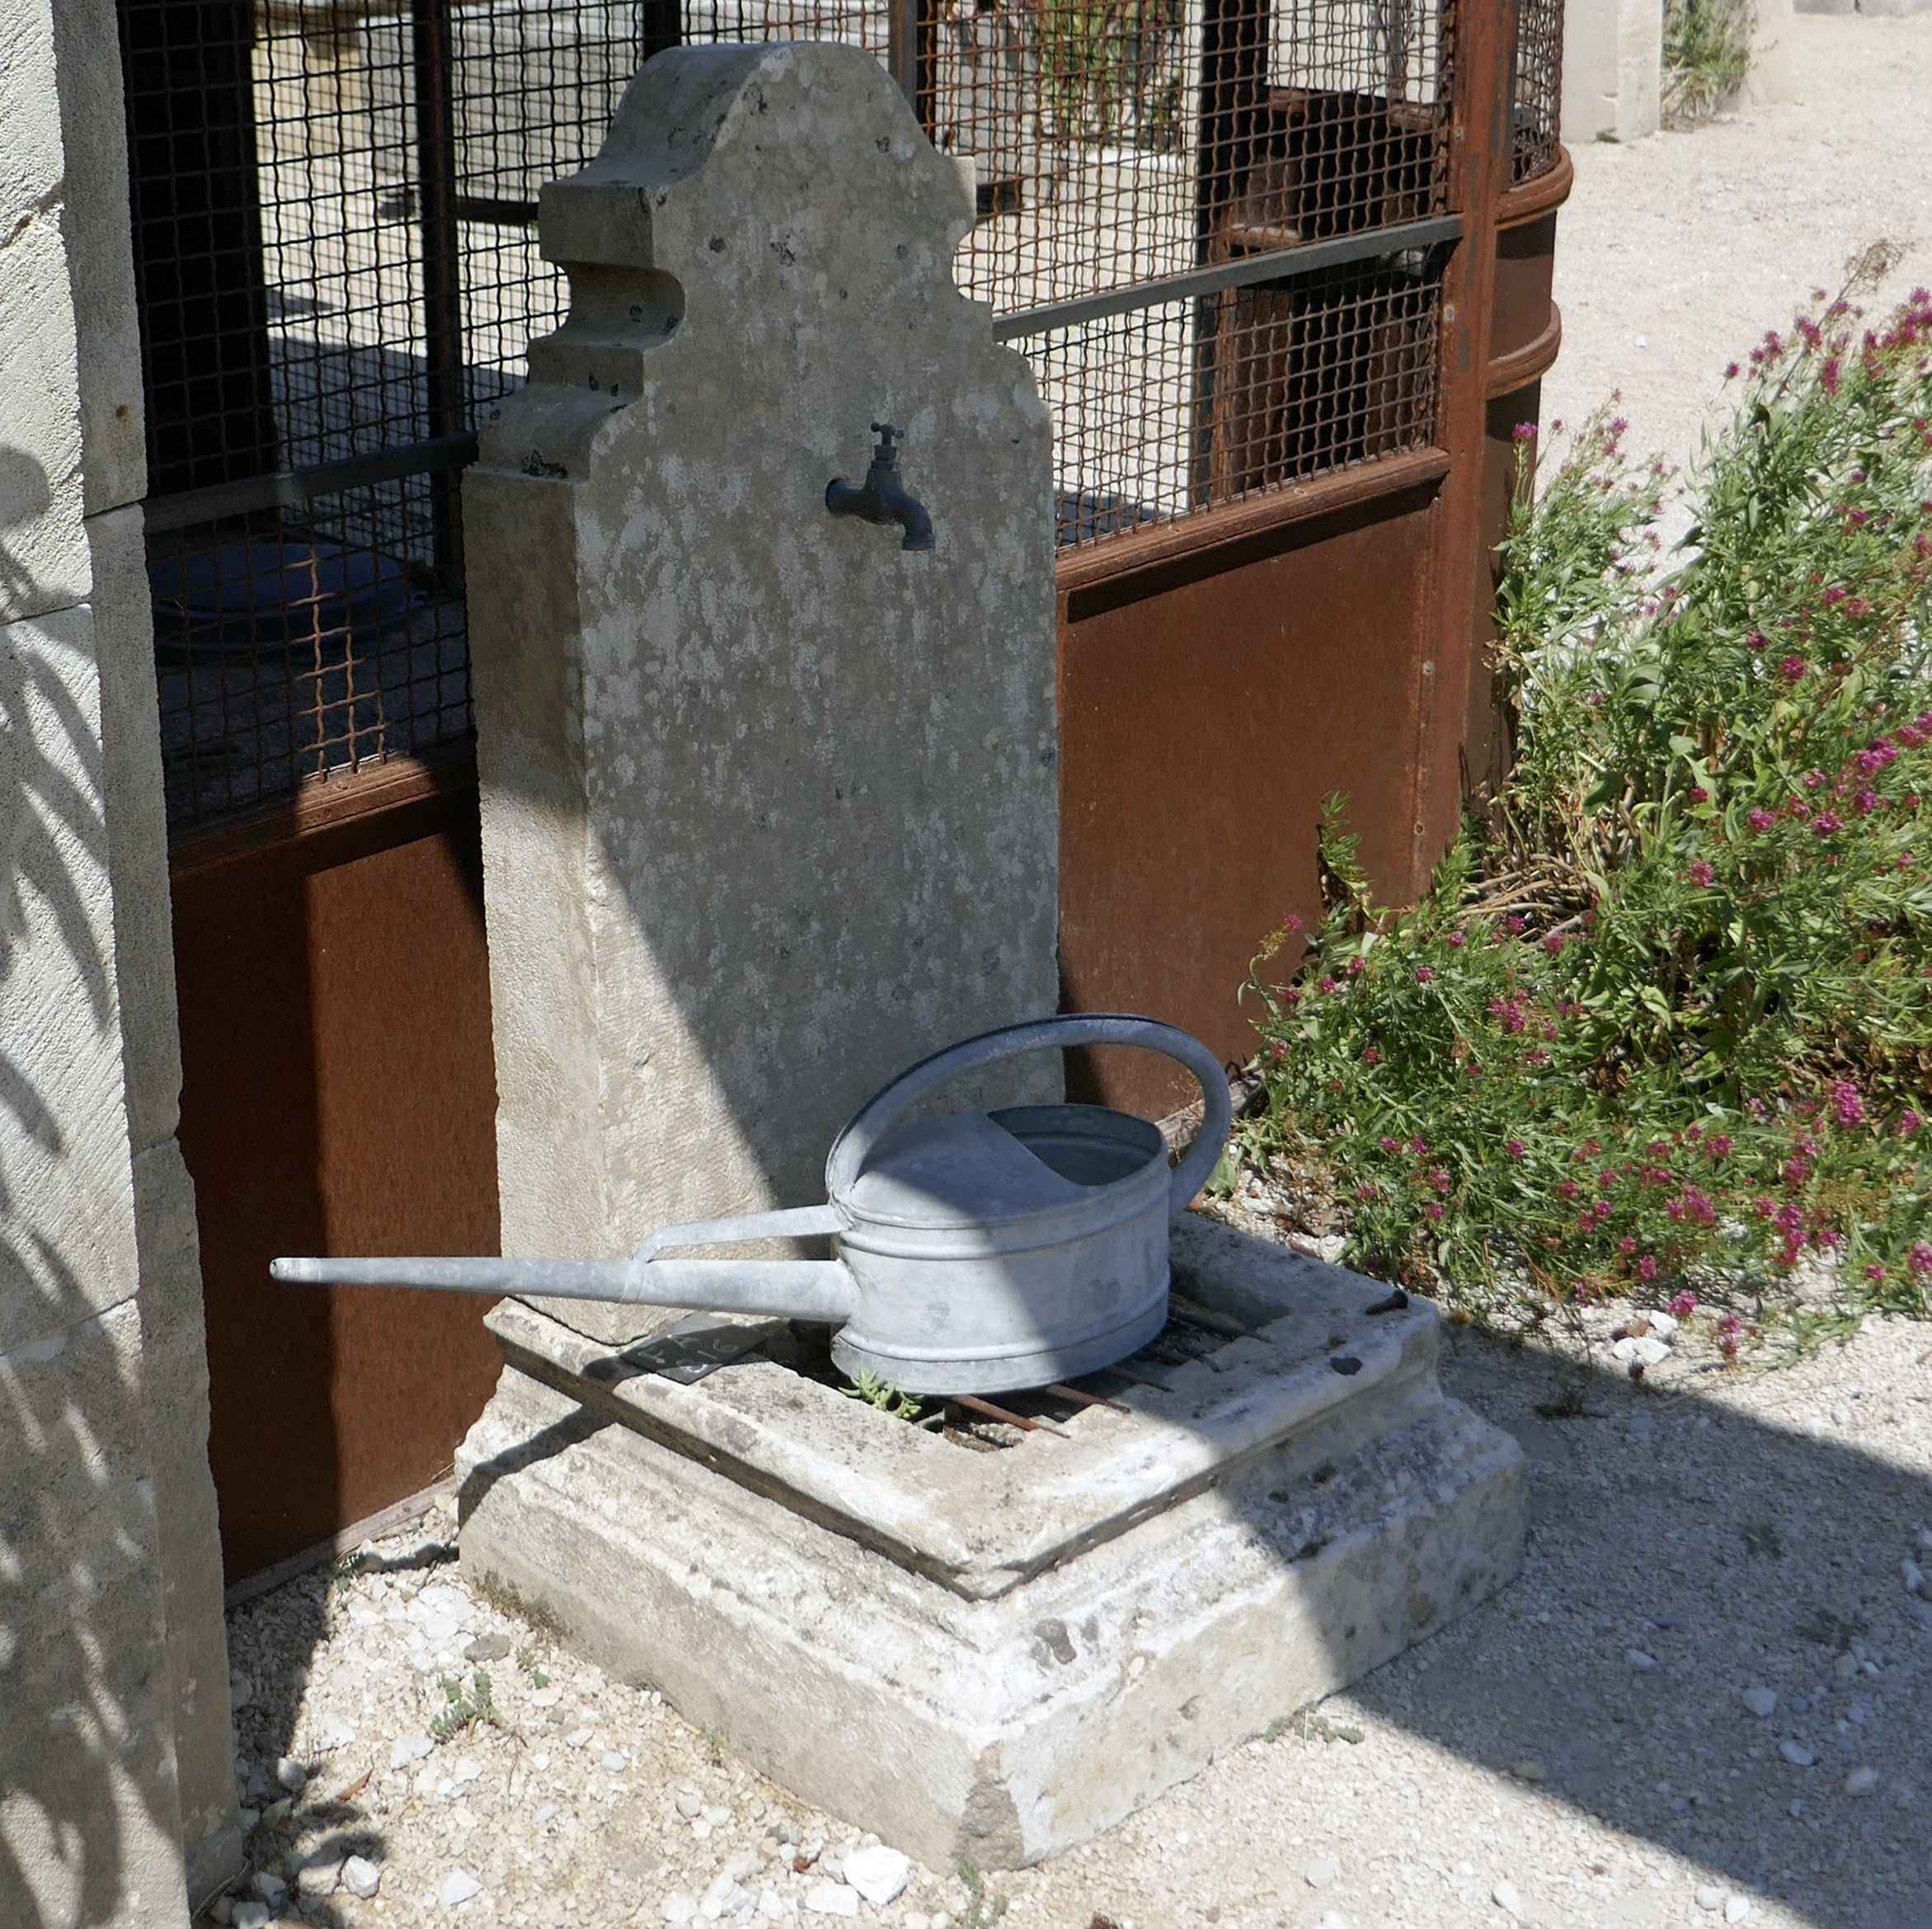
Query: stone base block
(993, 1671)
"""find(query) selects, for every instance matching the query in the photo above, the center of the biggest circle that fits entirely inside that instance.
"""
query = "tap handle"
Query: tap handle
(885, 432)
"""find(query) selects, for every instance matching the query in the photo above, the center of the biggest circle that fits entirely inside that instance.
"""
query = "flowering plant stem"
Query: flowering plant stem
(1662, 1023)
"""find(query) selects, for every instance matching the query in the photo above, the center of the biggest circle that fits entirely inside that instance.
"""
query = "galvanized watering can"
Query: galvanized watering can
(979, 1251)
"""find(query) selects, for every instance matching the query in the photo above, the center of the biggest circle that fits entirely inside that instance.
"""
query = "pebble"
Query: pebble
(1861, 1781)
(690, 1804)
(1913, 1577)
(1320, 1873)
(319, 1877)
(613, 1763)
(1639, 1660)
(409, 1748)
(1664, 1326)
(361, 1877)
(1762, 1702)
(1844, 1667)
(831, 1898)
(1796, 1753)
(271, 1889)
(332, 1731)
(1526, 1771)
(1926, 1539)
(291, 1774)
(241, 1691)
(1841, 1416)
(1505, 1897)
(1736, 1907)
(487, 1648)
(458, 1887)
(1648, 1350)
(679, 1908)
(1709, 1897)
(250, 1916)
(879, 1875)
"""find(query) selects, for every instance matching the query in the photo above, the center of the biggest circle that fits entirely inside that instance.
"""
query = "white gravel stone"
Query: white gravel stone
(408, 1748)
(1760, 1702)
(361, 1877)
(1640, 1660)
(831, 1898)
(1709, 1896)
(1737, 1909)
(879, 1875)
(271, 1889)
(251, 1915)
(458, 1886)
(1504, 1895)
(690, 1805)
(291, 1774)
(319, 1877)
(1913, 1577)
(1861, 1781)
(1664, 1326)
(679, 1908)
(613, 1763)
(1646, 1350)
(1321, 1873)
(1796, 1753)
(332, 1731)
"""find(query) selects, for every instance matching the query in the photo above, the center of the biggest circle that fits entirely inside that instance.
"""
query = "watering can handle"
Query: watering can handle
(886, 1106)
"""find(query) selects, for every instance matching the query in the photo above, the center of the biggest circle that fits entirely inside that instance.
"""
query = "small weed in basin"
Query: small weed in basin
(1662, 1025)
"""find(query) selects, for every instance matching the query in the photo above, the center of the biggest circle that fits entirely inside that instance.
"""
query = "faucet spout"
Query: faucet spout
(882, 497)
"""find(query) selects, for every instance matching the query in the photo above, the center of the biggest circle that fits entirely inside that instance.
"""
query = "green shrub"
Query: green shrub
(1664, 1019)
(1706, 54)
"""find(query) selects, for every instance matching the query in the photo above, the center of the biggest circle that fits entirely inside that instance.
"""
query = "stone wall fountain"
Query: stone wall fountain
(769, 811)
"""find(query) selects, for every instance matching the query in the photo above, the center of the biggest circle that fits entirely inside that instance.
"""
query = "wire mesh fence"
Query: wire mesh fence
(335, 205)
(1538, 88)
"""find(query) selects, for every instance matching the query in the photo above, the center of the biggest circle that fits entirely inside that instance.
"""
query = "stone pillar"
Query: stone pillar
(1772, 78)
(768, 802)
(1613, 69)
(116, 1788)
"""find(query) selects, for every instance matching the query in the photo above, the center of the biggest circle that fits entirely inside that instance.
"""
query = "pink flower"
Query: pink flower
(1920, 1258)
(1371, 1055)
(1516, 1148)
(1457, 939)
(1419, 1145)
(1760, 819)
(1554, 942)
(1626, 1244)
(1514, 922)
(1278, 1050)
(1566, 1188)
(1791, 668)
(1827, 822)
(1523, 432)
(1387, 1144)
(1682, 1306)
(1795, 1171)
(1354, 967)
(1293, 922)
(1701, 872)
(1814, 780)
(1846, 1104)
(1432, 1209)
(1424, 973)
(1439, 1180)
(1717, 1144)
(1866, 802)
(1909, 1123)
(1647, 1267)
(1874, 1270)
(1328, 984)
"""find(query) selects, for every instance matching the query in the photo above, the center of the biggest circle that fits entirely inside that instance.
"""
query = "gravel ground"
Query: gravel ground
(1582, 1751)
(1709, 1698)
(1676, 253)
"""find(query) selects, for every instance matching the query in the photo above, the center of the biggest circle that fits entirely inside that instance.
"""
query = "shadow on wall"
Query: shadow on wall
(87, 1799)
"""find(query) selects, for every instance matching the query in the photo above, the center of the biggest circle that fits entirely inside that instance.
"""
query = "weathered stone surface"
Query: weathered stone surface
(88, 1799)
(100, 253)
(43, 552)
(66, 1208)
(993, 1664)
(1613, 63)
(769, 804)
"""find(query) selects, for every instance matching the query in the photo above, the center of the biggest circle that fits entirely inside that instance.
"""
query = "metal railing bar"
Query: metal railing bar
(294, 488)
(1278, 265)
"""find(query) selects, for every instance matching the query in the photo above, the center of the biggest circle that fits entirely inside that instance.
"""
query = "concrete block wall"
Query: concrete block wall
(116, 1788)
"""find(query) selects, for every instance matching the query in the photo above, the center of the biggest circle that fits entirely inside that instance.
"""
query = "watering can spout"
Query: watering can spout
(787, 1289)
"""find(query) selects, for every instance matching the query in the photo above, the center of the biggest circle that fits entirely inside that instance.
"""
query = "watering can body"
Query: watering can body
(978, 1251)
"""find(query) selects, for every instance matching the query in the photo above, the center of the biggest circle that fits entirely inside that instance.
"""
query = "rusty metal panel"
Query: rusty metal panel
(338, 1096)
(1203, 716)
